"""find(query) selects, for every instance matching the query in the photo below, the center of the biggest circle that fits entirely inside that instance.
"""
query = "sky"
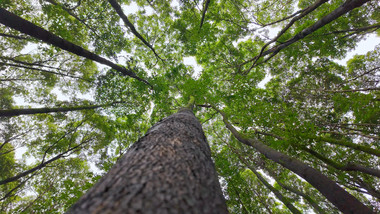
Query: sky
(362, 48)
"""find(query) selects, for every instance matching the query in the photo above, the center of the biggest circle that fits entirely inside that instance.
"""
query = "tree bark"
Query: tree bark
(169, 170)
(13, 21)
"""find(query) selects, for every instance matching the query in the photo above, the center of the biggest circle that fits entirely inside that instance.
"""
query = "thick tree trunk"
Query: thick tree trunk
(169, 170)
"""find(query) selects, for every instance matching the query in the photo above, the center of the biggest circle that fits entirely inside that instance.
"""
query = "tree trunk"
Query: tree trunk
(343, 200)
(344, 167)
(13, 21)
(41, 165)
(348, 144)
(276, 192)
(205, 7)
(341, 10)
(17, 112)
(294, 190)
(346, 7)
(169, 170)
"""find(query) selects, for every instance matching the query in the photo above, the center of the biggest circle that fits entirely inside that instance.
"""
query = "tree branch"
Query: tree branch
(41, 165)
(343, 200)
(343, 9)
(13, 21)
(13, 36)
(207, 2)
(126, 21)
(28, 111)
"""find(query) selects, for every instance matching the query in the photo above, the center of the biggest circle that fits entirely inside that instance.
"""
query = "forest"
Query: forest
(291, 126)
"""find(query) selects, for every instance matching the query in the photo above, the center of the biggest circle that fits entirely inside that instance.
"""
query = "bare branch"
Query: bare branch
(13, 21)
(343, 9)
(13, 36)
(126, 21)
(207, 2)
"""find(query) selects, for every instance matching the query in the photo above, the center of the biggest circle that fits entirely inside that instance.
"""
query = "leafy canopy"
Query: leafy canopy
(312, 108)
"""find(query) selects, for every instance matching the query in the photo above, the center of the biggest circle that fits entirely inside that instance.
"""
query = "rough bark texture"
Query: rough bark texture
(169, 170)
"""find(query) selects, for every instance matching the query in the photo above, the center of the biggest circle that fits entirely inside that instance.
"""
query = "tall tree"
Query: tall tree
(305, 117)
(326, 186)
(169, 170)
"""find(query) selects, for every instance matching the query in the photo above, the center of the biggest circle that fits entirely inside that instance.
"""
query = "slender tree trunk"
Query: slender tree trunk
(343, 9)
(277, 193)
(343, 200)
(262, 201)
(294, 190)
(13, 21)
(344, 167)
(13, 36)
(244, 209)
(43, 70)
(69, 11)
(355, 146)
(169, 170)
(17, 112)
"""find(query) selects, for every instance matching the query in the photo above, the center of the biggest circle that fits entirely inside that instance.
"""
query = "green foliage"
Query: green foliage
(309, 101)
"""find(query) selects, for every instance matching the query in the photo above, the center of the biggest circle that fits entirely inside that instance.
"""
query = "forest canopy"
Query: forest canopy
(81, 81)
